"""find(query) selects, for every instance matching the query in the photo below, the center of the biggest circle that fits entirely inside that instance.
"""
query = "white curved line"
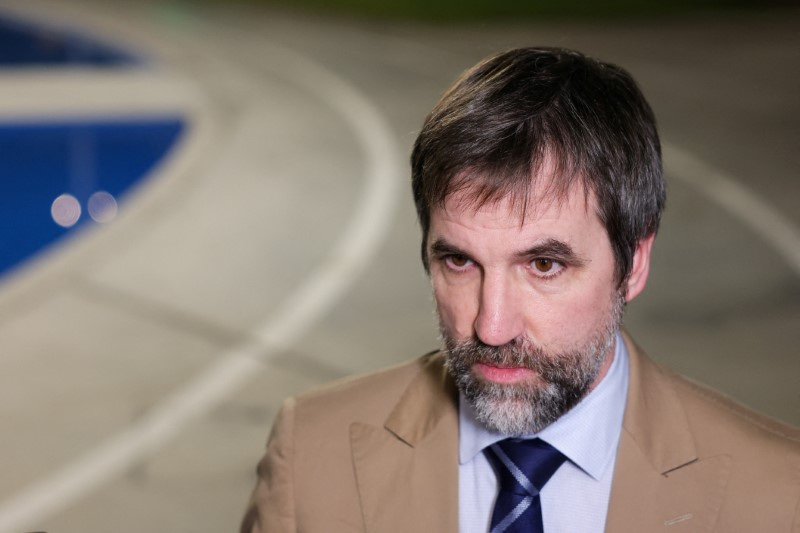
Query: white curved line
(354, 249)
(765, 220)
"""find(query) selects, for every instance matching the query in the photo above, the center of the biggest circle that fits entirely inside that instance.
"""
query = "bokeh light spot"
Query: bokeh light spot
(102, 207)
(65, 210)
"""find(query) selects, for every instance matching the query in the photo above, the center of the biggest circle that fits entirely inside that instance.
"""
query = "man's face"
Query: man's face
(528, 308)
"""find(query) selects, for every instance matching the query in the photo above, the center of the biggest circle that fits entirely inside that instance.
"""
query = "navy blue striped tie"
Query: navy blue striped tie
(523, 467)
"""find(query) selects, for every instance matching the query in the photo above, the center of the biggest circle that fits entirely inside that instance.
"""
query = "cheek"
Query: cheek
(570, 319)
(456, 307)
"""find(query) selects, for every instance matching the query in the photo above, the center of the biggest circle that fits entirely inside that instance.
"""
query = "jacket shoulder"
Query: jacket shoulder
(720, 418)
(367, 397)
(664, 401)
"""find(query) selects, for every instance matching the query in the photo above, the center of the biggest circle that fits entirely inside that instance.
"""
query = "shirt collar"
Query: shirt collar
(588, 434)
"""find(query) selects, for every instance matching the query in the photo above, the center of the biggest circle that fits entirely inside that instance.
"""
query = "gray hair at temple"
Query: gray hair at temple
(505, 118)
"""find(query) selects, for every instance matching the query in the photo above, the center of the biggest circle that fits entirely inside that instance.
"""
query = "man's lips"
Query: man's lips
(500, 374)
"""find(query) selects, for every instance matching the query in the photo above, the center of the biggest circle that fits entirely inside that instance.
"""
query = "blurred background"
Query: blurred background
(204, 208)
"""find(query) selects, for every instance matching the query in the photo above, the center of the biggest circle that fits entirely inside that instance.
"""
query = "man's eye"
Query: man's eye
(546, 267)
(458, 261)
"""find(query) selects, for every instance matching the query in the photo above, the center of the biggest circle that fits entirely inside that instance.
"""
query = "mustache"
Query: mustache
(515, 353)
(520, 353)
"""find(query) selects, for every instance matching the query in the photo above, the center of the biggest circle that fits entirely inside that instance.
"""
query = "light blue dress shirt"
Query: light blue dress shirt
(576, 497)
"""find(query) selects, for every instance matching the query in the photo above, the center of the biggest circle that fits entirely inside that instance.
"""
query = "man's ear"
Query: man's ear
(640, 268)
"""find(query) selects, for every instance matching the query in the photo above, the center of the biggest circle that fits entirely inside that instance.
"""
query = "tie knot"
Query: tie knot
(524, 466)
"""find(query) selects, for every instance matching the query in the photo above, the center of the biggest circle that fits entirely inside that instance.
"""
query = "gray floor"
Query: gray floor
(143, 362)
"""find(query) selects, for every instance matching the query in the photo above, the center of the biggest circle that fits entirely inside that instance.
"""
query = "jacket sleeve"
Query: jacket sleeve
(272, 505)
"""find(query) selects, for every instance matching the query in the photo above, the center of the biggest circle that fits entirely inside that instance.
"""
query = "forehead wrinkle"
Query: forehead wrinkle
(540, 196)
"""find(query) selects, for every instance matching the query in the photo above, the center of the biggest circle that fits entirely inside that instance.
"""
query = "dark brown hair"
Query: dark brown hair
(498, 124)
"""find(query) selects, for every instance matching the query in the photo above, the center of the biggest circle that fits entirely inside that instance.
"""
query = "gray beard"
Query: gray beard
(524, 408)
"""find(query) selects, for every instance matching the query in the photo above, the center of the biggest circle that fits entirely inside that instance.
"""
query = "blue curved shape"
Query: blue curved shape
(41, 161)
(24, 44)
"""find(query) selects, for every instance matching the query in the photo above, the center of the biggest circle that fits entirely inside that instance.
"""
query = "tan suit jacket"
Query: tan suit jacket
(379, 454)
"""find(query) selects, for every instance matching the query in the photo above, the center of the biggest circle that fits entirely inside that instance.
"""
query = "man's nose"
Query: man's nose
(499, 319)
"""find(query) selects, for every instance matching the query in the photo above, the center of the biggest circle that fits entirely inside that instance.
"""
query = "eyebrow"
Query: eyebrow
(442, 248)
(553, 249)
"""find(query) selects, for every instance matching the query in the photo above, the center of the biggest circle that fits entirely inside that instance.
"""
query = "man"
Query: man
(538, 184)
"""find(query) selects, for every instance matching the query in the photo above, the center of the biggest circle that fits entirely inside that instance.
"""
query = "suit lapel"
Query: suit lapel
(407, 470)
(660, 483)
